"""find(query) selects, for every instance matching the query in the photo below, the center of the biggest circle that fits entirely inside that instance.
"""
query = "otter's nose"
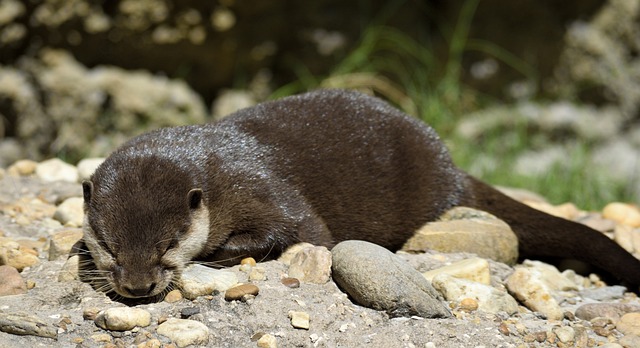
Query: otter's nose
(140, 290)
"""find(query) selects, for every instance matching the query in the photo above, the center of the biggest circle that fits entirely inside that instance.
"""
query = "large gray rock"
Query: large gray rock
(376, 278)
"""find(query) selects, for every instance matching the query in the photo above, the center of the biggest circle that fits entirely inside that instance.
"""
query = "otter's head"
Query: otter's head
(144, 222)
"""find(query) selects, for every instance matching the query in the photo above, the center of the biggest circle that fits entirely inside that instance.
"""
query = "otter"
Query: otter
(320, 167)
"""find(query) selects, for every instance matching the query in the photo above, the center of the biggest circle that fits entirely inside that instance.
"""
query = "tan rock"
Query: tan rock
(22, 168)
(267, 341)
(56, 170)
(481, 234)
(69, 271)
(184, 332)
(13, 255)
(629, 324)
(311, 265)
(488, 299)
(623, 235)
(70, 212)
(474, 269)
(299, 320)
(11, 283)
(622, 213)
(122, 318)
(173, 296)
(238, 292)
(87, 166)
(288, 254)
(61, 242)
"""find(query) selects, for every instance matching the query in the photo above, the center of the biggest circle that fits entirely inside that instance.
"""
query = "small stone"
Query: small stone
(624, 235)
(488, 299)
(184, 332)
(248, 261)
(185, 313)
(467, 230)
(565, 334)
(87, 166)
(122, 318)
(61, 242)
(629, 324)
(288, 254)
(173, 296)
(70, 212)
(20, 324)
(90, 313)
(504, 329)
(377, 278)
(101, 338)
(602, 326)
(11, 282)
(622, 213)
(56, 170)
(13, 255)
(299, 320)
(311, 265)
(22, 168)
(237, 292)
(69, 270)
(152, 343)
(257, 274)
(473, 269)
(198, 280)
(468, 304)
(30, 284)
(612, 311)
(267, 341)
(291, 282)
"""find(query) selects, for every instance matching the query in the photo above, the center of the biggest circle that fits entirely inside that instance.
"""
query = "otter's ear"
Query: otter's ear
(87, 189)
(194, 197)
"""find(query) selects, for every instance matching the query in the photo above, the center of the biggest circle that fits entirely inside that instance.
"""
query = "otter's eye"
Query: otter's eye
(104, 246)
(172, 244)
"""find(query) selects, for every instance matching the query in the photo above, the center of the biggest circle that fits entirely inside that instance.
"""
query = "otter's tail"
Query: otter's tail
(543, 235)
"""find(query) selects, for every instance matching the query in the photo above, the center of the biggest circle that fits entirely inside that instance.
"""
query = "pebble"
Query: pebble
(87, 166)
(291, 251)
(173, 296)
(605, 293)
(291, 282)
(622, 213)
(22, 168)
(11, 282)
(90, 313)
(567, 211)
(20, 324)
(613, 311)
(185, 313)
(565, 334)
(602, 326)
(488, 299)
(69, 270)
(257, 274)
(467, 230)
(122, 318)
(70, 212)
(13, 255)
(56, 170)
(533, 282)
(198, 280)
(474, 269)
(61, 242)
(184, 332)
(468, 304)
(238, 292)
(248, 261)
(629, 324)
(267, 341)
(299, 320)
(311, 265)
(630, 341)
(376, 278)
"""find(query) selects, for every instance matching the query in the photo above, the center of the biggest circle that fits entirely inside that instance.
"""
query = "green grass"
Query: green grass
(407, 73)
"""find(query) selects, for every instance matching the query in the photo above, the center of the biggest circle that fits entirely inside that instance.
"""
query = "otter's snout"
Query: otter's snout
(139, 283)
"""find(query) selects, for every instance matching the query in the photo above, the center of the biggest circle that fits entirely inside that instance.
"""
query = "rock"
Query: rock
(630, 341)
(565, 334)
(567, 211)
(473, 269)
(629, 324)
(257, 273)
(87, 166)
(13, 255)
(488, 299)
(605, 293)
(56, 170)
(61, 242)
(22, 168)
(467, 230)
(11, 282)
(21, 324)
(184, 332)
(376, 278)
(290, 282)
(299, 320)
(469, 304)
(70, 269)
(198, 280)
(173, 296)
(622, 213)
(267, 341)
(187, 312)
(122, 318)
(613, 311)
(248, 261)
(238, 292)
(533, 284)
(288, 254)
(70, 212)
(311, 265)
(597, 222)
(90, 313)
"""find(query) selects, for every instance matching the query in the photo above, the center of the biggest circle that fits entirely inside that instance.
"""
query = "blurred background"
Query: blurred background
(542, 95)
